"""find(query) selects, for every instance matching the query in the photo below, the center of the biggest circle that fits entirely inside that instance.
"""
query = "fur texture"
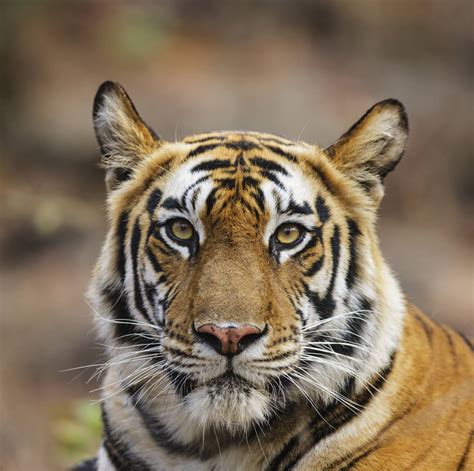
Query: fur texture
(343, 374)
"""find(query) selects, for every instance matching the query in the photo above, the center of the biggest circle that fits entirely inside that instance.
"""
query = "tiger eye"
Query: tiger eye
(181, 229)
(288, 234)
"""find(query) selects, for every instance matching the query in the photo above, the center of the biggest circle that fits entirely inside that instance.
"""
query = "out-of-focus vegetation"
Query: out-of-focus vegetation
(77, 436)
(305, 69)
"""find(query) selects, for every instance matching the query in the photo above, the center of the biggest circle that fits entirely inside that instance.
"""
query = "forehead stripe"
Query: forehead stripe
(201, 149)
(268, 165)
(281, 153)
(209, 165)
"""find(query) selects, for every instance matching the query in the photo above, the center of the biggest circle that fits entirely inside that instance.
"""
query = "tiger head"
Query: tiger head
(241, 272)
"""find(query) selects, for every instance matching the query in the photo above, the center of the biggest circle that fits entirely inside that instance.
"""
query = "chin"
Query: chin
(228, 404)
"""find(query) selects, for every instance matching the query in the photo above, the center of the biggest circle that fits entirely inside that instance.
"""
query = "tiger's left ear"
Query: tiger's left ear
(123, 136)
(373, 146)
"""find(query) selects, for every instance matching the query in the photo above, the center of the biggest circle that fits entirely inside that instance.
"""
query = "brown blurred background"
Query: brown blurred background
(303, 69)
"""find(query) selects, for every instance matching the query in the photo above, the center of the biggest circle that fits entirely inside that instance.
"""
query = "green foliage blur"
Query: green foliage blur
(78, 435)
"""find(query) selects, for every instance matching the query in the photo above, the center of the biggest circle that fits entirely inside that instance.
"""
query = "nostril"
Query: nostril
(248, 339)
(229, 340)
(209, 339)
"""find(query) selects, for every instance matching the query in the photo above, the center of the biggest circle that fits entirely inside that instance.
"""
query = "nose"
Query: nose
(229, 340)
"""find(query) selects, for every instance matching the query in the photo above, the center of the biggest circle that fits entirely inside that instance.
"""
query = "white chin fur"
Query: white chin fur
(229, 408)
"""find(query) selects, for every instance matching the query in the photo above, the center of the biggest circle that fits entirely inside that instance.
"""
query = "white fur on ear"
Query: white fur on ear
(123, 136)
(374, 145)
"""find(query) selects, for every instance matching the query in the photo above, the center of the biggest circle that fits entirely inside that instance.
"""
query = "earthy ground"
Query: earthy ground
(301, 69)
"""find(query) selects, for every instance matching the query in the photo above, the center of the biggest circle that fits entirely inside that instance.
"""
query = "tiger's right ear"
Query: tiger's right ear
(123, 136)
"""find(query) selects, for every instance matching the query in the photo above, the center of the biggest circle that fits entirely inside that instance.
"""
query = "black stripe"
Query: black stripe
(462, 463)
(242, 145)
(211, 200)
(209, 165)
(125, 329)
(325, 306)
(323, 177)
(172, 203)
(88, 465)
(259, 198)
(153, 260)
(160, 434)
(295, 208)
(272, 177)
(118, 452)
(322, 209)
(281, 153)
(210, 137)
(354, 232)
(201, 149)
(359, 458)
(191, 187)
(121, 232)
(327, 421)
(354, 328)
(277, 140)
(134, 247)
(285, 451)
(315, 267)
(153, 201)
(249, 182)
(268, 165)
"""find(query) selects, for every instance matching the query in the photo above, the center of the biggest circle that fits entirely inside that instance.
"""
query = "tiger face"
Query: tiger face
(241, 272)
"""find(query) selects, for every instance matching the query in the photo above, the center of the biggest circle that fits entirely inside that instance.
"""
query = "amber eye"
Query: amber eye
(288, 233)
(181, 229)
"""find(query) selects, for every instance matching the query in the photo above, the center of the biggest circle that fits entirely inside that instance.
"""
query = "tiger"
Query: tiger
(249, 317)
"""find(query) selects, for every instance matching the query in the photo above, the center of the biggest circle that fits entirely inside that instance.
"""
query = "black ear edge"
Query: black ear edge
(389, 102)
(107, 88)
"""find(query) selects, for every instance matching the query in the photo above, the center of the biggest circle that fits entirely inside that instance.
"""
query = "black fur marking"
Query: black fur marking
(153, 260)
(462, 464)
(285, 451)
(211, 165)
(201, 149)
(181, 382)
(172, 203)
(286, 155)
(327, 421)
(124, 328)
(118, 452)
(354, 232)
(134, 247)
(242, 145)
(315, 267)
(153, 201)
(355, 325)
(210, 137)
(249, 182)
(272, 177)
(295, 208)
(323, 177)
(88, 465)
(211, 200)
(325, 306)
(322, 209)
(160, 434)
(359, 458)
(277, 140)
(121, 233)
(268, 165)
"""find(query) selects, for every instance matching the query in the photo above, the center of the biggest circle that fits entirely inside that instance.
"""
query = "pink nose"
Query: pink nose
(228, 340)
